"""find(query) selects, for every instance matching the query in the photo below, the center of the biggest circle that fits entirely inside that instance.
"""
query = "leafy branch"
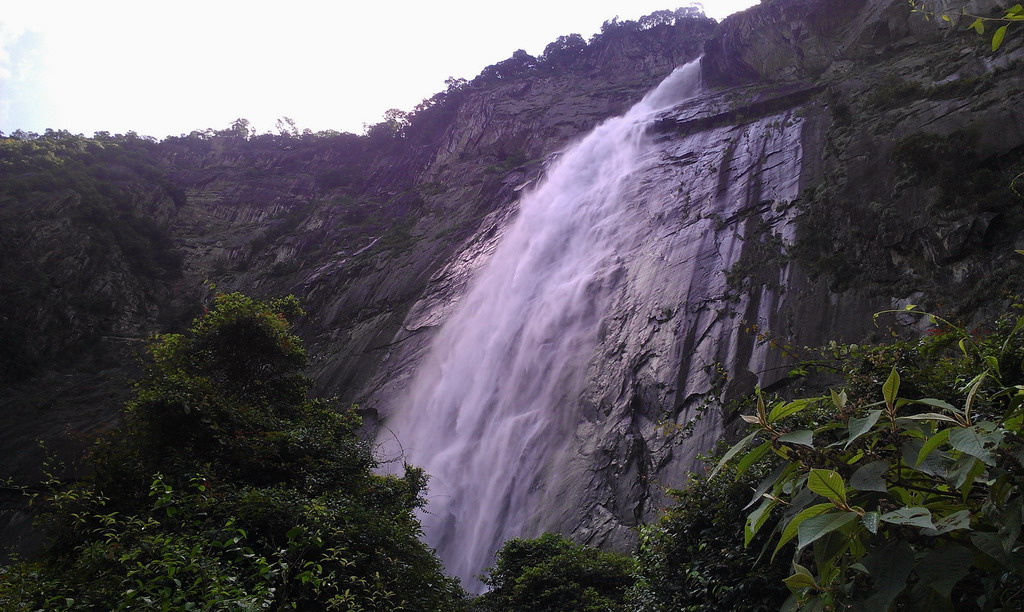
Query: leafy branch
(1013, 14)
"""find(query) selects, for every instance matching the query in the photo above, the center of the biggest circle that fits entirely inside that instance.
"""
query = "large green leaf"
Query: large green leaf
(821, 525)
(926, 416)
(804, 437)
(937, 403)
(799, 581)
(869, 477)
(997, 38)
(931, 444)
(889, 568)
(827, 483)
(791, 528)
(972, 390)
(752, 457)
(934, 464)
(958, 520)
(916, 516)
(782, 411)
(862, 425)
(992, 545)
(976, 442)
(757, 518)
(891, 388)
(943, 567)
(964, 472)
(732, 452)
(769, 481)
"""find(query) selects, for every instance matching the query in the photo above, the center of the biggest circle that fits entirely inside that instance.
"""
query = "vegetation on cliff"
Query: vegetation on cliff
(59, 183)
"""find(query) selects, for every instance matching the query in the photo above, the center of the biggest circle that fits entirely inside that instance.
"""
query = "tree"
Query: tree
(453, 84)
(657, 18)
(394, 123)
(228, 488)
(564, 50)
(520, 64)
(240, 128)
(286, 127)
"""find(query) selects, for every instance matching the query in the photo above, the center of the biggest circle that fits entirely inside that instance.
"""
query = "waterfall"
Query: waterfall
(491, 408)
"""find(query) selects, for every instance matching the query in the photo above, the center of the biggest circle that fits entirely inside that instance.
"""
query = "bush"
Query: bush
(552, 574)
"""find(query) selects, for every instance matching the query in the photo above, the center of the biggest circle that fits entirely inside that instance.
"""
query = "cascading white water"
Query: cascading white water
(492, 405)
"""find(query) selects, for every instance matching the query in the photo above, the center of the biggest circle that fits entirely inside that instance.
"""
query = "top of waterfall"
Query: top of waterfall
(681, 85)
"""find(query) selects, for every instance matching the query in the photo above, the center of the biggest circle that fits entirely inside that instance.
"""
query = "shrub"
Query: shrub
(552, 574)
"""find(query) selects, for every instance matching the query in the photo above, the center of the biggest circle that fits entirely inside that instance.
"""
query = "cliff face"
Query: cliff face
(842, 157)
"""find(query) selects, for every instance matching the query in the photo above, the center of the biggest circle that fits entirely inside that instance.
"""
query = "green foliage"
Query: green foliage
(905, 487)
(228, 488)
(552, 574)
(763, 253)
(571, 51)
(693, 559)
(393, 126)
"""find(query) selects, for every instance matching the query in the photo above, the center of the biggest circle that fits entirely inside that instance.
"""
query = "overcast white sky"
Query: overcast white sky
(166, 68)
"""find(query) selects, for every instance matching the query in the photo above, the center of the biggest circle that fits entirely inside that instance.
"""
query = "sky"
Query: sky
(164, 68)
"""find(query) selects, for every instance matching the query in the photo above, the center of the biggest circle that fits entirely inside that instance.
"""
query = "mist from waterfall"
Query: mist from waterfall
(492, 406)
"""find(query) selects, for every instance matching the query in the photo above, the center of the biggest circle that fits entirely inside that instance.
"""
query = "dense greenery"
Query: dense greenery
(903, 489)
(552, 574)
(227, 488)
